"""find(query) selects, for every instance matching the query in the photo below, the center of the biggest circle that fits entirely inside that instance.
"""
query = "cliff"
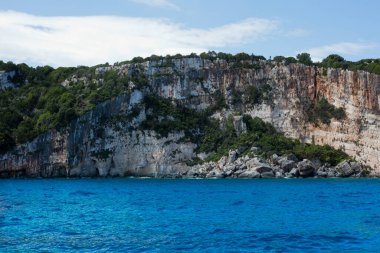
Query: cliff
(108, 140)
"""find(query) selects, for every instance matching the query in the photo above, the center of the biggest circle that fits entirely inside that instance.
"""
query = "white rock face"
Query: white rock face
(198, 84)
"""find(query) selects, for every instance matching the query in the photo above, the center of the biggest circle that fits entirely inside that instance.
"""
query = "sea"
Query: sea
(167, 215)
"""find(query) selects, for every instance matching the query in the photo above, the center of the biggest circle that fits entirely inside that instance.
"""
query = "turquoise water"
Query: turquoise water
(135, 215)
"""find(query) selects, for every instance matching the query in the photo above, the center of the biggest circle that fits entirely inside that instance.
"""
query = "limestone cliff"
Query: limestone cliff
(95, 145)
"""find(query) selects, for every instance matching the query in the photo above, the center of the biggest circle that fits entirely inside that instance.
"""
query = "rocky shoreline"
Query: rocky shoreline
(233, 166)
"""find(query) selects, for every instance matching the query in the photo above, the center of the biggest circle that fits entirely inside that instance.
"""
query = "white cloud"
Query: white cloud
(342, 48)
(158, 3)
(71, 41)
(297, 33)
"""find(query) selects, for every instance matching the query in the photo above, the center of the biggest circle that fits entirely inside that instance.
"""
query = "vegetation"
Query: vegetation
(263, 135)
(257, 94)
(217, 138)
(304, 58)
(336, 61)
(286, 60)
(323, 111)
(42, 103)
(164, 116)
(333, 61)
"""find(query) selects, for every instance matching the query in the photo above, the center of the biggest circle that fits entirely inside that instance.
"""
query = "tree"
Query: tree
(304, 58)
(333, 61)
(279, 58)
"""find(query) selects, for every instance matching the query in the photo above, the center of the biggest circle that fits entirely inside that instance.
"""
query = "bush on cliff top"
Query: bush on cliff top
(337, 61)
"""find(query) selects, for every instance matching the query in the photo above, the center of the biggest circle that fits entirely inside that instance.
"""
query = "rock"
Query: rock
(239, 125)
(229, 170)
(293, 173)
(331, 173)
(228, 173)
(222, 161)
(140, 152)
(286, 165)
(231, 167)
(258, 165)
(215, 174)
(249, 174)
(279, 174)
(267, 174)
(292, 157)
(344, 169)
(306, 168)
(356, 167)
(321, 173)
(263, 168)
(232, 155)
(256, 168)
(275, 158)
(254, 149)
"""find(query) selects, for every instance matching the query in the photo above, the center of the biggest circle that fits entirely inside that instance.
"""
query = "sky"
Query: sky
(90, 32)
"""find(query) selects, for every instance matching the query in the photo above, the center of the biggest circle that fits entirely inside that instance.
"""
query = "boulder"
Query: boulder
(222, 161)
(356, 167)
(229, 170)
(293, 173)
(263, 168)
(286, 165)
(292, 157)
(331, 172)
(306, 168)
(215, 174)
(279, 174)
(232, 155)
(344, 169)
(321, 173)
(249, 174)
(275, 158)
(256, 168)
(258, 165)
(267, 174)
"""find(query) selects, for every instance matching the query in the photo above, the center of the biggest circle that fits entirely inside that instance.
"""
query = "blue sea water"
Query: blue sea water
(138, 215)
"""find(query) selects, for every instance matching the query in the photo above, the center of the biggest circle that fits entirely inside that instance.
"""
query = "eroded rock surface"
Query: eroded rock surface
(89, 148)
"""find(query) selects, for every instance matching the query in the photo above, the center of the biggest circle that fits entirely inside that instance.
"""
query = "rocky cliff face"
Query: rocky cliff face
(5, 80)
(100, 143)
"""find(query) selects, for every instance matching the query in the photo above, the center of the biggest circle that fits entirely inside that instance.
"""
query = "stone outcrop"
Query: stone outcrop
(89, 147)
(256, 167)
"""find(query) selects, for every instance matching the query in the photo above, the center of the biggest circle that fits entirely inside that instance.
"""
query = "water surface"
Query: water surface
(135, 215)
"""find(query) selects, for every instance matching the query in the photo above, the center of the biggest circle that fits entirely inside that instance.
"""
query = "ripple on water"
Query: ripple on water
(238, 203)
(82, 193)
(187, 215)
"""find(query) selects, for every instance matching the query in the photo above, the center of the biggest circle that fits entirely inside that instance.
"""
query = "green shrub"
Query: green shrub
(323, 111)
(304, 58)
(263, 135)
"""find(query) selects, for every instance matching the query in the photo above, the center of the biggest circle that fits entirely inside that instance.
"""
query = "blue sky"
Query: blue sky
(88, 32)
